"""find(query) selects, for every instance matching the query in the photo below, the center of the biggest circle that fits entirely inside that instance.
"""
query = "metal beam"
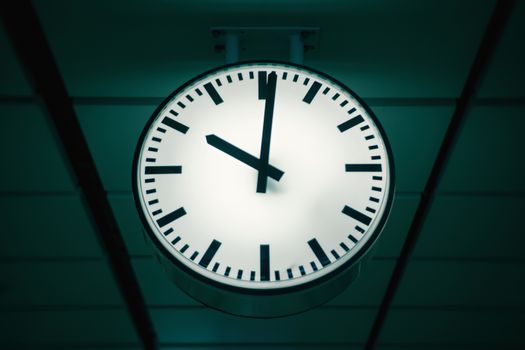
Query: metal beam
(27, 37)
(483, 56)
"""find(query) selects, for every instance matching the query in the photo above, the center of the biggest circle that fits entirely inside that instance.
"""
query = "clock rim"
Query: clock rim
(366, 248)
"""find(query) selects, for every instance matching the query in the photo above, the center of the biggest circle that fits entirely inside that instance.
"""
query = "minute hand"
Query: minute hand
(262, 178)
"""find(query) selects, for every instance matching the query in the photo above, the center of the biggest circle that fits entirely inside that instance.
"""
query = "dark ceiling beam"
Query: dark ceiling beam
(29, 41)
(490, 40)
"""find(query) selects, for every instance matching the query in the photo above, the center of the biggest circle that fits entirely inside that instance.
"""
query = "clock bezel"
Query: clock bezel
(354, 260)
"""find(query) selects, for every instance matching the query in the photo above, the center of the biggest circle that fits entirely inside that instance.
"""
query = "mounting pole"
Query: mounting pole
(296, 48)
(231, 47)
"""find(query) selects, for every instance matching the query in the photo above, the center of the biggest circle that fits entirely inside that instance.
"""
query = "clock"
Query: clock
(262, 186)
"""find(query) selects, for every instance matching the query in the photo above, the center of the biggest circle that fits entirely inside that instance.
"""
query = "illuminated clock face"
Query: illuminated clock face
(263, 176)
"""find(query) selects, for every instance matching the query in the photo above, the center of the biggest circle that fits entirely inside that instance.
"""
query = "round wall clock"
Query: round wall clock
(262, 186)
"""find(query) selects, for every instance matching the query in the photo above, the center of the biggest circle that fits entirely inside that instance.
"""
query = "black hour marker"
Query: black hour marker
(194, 255)
(210, 89)
(210, 253)
(289, 272)
(174, 215)
(314, 266)
(362, 218)
(362, 167)
(265, 262)
(181, 105)
(176, 240)
(164, 169)
(252, 276)
(314, 89)
(262, 85)
(228, 269)
(215, 267)
(277, 276)
(168, 231)
(183, 249)
(334, 253)
(175, 125)
(350, 123)
(319, 252)
(353, 239)
(239, 274)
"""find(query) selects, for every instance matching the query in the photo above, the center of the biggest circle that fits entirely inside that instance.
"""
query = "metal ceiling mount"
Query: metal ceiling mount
(231, 40)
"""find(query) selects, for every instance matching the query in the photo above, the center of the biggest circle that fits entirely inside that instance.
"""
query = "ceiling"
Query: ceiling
(461, 286)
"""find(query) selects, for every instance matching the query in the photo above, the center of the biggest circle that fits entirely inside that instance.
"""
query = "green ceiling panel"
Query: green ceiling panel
(12, 78)
(394, 234)
(201, 325)
(145, 49)
(35, 226)
(505, 75)
(488, 154)
(112, 132)
(442, 326)
(130, 225)
(473, 226)
(57, 283)
(462, 283)
(38, 327)
(35, 161)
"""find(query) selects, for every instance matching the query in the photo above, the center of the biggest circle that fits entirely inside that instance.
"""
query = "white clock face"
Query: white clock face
(263, 176)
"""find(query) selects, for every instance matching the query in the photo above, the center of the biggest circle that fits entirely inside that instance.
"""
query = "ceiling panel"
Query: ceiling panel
(201, 325)
(443, 327)
(486, 157)
(505, 76)
(462, 283)
(80, 326)
(142, 49)
(13, 81)
(37, 226)
(475, 226)
(56, 283)
(35, 160)
(112, 132)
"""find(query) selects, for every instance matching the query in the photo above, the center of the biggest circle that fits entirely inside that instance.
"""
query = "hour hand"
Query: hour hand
(239, 154)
